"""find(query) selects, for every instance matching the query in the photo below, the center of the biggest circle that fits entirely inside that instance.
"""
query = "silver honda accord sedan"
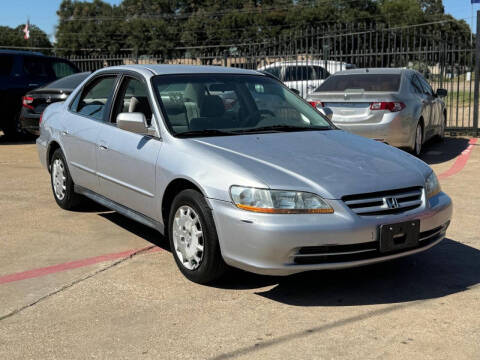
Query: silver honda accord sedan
(237, 170)
(395, 106)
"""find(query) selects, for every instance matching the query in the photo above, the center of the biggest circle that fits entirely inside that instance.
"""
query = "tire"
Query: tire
(418, 140)
(191, 228)
(441, 136)
(62, 183)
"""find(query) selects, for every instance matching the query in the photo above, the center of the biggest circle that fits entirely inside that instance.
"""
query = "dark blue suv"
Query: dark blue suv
(20, 72)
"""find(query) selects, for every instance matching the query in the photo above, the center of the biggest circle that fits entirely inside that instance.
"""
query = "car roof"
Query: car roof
(382, 71)
(182, 69)
(20, 52)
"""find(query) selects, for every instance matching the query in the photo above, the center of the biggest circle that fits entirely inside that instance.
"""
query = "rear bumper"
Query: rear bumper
(395, 129)
(30, 123)
(42, 151)
(271, 244)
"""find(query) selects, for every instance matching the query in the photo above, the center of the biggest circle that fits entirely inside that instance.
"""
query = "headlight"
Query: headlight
(278, 201)
(432, 186)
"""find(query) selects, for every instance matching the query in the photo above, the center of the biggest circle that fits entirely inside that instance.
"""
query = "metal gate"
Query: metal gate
(445, 61)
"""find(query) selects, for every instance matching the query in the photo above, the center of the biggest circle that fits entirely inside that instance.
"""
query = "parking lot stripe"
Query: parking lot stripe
(461, 160)
(29, 274)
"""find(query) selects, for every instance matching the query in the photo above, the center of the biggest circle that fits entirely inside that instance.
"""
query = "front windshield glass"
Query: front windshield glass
(227, 104)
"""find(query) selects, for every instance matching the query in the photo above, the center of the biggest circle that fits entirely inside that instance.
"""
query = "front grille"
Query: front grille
(330, 254)
(385, 202)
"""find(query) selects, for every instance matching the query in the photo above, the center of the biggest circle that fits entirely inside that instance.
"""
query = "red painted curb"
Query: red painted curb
(29, 274)
(461, 160)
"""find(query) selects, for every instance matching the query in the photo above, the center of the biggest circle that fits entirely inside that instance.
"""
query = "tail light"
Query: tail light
(390, 106)
(316, 104)
(26, 101)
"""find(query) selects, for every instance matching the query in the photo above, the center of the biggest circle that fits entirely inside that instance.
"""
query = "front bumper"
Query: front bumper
(271, 243)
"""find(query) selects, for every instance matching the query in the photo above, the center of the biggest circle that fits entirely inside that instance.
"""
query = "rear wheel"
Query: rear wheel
(62, 183)
(417, 146)
(441, 135)
(193, 238)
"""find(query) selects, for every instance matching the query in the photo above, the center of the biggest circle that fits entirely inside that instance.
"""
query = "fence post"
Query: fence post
(477, 75)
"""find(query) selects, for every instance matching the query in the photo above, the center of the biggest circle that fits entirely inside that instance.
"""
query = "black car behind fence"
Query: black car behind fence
(446, 62)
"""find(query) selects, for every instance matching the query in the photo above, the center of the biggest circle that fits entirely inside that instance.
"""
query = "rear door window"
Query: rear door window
(417, 86)
(299, 73)
(62, 69)
(426, 86)
(6, 64)
(366, 82)
(37, 68)
(94, 99)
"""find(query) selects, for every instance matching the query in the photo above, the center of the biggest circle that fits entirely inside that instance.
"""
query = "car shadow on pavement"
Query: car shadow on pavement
(446, 269)
(439, 152)
(21, 140)
(143, 231)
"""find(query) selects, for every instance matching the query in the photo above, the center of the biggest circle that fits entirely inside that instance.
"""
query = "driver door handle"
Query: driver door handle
(103, 147)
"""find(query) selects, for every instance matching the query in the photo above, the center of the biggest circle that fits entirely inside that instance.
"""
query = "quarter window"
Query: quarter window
(94, 98)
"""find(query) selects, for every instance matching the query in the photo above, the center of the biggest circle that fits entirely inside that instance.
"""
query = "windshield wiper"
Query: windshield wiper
(206, 132)
(283, 128)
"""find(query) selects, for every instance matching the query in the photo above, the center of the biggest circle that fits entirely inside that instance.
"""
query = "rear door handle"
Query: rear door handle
(103, 147)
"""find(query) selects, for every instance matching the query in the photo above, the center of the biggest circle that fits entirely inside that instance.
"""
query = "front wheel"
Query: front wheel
(193, 238)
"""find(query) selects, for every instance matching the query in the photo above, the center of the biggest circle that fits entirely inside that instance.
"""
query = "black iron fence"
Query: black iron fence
(446, 61)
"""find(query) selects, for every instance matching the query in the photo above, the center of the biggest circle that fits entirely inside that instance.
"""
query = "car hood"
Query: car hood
(331, 163)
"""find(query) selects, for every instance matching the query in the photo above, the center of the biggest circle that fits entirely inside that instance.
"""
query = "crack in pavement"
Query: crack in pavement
(292, 336)
(71, 284)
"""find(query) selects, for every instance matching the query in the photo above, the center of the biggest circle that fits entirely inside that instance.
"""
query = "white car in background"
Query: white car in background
(304, 76)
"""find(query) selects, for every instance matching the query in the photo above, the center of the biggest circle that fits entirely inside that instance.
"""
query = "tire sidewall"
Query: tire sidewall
(211, 266)
(416, 151)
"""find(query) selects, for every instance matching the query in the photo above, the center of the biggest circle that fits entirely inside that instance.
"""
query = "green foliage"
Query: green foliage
(158, 26)
(13, 37)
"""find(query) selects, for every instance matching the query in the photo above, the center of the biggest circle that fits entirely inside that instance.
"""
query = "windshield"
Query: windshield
(227, 104)
(365, 82)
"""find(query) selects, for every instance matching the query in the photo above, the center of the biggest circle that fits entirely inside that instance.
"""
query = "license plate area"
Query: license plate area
(395, 237)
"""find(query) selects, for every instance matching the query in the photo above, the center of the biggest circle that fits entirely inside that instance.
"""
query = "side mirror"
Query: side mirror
(133, 122)
(326, 111)
(296, 91)
(442, 92)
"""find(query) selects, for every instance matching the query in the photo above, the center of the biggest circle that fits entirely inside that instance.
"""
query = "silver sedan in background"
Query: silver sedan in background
(200, 154)
(395, 106)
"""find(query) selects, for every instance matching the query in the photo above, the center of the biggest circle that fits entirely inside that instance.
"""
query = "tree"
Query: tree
(14, 37)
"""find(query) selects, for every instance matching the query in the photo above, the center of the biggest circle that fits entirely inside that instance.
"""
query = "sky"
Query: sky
(43, 12)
